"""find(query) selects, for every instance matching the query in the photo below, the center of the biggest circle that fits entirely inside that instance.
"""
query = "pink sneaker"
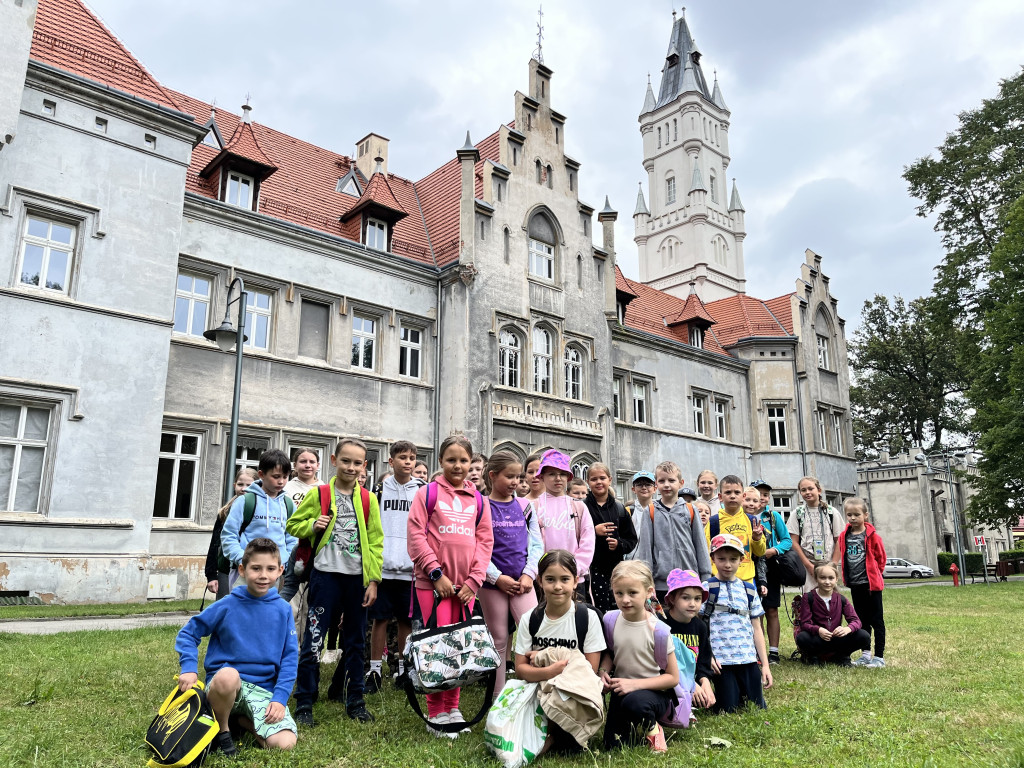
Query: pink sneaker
(656, 740)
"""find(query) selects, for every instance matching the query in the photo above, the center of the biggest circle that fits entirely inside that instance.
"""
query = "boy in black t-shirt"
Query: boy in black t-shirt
(683, 600)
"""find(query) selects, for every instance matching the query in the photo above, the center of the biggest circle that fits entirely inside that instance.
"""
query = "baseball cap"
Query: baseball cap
(679, 579)
(726, 541)
(643, 475)
(688, 492)
(759, 483)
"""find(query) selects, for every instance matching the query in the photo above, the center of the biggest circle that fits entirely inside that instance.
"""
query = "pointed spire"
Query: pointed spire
(649, 101)
(641, 204)
(735, 204)
(468, 146)
(246, 110)
(468, 151)
(607, 207)
(697, 185)
(716, 96)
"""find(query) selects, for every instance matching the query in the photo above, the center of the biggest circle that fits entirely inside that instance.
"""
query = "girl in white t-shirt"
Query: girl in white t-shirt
(641, 691)
(556, 574)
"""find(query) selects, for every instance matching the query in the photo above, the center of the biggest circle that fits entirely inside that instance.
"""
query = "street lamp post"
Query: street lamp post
(228, 336)
(958, 532)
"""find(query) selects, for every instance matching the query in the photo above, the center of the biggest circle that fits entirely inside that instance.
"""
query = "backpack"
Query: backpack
(248, 511)
(183, 729)
(305, 550)
(582, 622)
(714, 522)
(714, 587)
(678, 715)
(802, 509)
(650, 509)
(432, 502)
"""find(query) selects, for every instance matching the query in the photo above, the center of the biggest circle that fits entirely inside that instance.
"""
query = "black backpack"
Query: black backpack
(582, 622)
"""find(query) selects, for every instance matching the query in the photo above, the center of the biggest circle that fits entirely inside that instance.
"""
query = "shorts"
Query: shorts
(252, 702)
(774, 597)
(394, 601)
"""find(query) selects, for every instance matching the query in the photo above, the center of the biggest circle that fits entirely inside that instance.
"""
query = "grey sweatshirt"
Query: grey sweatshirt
(395, 503)
(673, 540)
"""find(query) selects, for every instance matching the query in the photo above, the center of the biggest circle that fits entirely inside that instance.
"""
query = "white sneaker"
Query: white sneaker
(441, 719)
(862, 661)
(456, 717)
(876, 663)
(330, 657)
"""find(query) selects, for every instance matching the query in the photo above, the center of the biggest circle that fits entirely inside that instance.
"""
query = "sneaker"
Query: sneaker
(360, 712)
(876, 663)
(372, 684)
(304, 717)
(773, 657)
(510, 669)
(456, 717)
(843, 661)
(656, 740)
(441, 719)
(862, 661)
(224, 744)
(811, 661)
(329, 657)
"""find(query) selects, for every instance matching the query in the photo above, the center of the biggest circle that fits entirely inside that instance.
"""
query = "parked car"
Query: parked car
(897, 567)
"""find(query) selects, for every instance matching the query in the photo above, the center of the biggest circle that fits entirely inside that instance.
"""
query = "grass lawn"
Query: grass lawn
(97, 609)
(950, 696)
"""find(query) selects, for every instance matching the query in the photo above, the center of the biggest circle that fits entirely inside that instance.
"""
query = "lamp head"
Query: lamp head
(921, 458)
(225, 336)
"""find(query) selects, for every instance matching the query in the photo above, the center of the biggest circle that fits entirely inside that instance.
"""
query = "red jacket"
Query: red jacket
(875, 560)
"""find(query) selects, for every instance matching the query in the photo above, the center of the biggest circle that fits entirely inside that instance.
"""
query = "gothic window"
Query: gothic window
(573, 373)
(670, 189)
(541, 231)
(696, 336)
(542, 368)
(509, 349)
(675, 130)
(507, 244)
(721, 250)
(713, 187)
(540, 172)
(550, 177)
(659, 138)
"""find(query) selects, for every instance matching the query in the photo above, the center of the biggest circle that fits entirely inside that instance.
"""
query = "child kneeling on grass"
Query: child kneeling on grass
(822, 636)
(684, 598)
(252, 656)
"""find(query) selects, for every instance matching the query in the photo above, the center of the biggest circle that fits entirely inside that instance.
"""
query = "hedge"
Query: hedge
(973, 561)
(1011, 554)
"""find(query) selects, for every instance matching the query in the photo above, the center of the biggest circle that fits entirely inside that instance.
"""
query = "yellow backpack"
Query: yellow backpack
(183, 729)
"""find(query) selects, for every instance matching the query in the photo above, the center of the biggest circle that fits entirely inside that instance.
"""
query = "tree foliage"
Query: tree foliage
(908, 379)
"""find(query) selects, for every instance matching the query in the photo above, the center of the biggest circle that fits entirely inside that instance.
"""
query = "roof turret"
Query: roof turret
(716, 96)
(641, 204)
(735, 204)
(697, 184)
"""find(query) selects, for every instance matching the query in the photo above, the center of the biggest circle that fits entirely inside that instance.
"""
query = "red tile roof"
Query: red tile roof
(67, 35)
(734, 318)
(245, 145)
(693, 309)
(378, 192)
(782, 308)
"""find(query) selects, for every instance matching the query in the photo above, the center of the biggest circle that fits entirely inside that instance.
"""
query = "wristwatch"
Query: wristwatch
(435, 574)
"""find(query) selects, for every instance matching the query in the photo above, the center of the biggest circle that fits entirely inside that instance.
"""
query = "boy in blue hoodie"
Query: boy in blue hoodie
(252, 657)
(271, 513)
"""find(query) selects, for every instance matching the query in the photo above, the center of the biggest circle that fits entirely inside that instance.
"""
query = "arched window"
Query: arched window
(713, 187)
(542, 360)
(696, 336)
(542, 246)
(675, 130)
(573, 373)
(721, 250)
(670, 189)
(551, 177)
(507, 244)
(659, 138)
(509, 349)
(579, 270)
(581, 469)
(540, 172)
(823, 335)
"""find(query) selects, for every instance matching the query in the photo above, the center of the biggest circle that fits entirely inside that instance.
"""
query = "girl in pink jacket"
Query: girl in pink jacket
(565, 523)
(450, 541)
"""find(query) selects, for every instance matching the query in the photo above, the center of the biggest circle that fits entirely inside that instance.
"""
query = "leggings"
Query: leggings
(448, 612)
(496, 605)
(630, 717)
(836, 649)
(868, 605)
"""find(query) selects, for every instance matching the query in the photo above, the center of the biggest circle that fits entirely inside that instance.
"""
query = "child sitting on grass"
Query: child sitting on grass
(252, 657)
(822, 636)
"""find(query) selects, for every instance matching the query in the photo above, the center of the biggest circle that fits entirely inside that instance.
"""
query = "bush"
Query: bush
(973, 561)
(946, 559)
(1011, 554)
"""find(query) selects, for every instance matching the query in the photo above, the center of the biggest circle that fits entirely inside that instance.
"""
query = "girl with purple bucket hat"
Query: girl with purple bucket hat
(565, 522)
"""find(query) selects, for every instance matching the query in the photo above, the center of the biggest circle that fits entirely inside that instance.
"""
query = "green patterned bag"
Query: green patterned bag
(516, 725)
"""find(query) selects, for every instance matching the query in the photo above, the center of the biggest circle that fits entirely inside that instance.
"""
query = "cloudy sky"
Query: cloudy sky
(829, 100)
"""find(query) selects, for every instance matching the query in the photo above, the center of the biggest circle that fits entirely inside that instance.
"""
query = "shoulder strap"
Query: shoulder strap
(608, 622)
(582, 625)
(709, 606)
(289, 505)
(479, 506)
(431, 499)
(364, 498)
(325, 498)
(651, 510)
(536, 617)
(248, 511)
(714, 525)
(689, 506)
(662, 638)
(574, 505)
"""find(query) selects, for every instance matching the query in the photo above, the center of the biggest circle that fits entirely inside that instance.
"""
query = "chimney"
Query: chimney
(368, 149)
(607, 217)
(468, 158)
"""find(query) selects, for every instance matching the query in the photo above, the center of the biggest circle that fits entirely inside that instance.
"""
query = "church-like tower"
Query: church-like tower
(693, 230)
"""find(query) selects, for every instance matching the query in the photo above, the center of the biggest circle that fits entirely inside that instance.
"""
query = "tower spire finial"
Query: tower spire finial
(538, 54)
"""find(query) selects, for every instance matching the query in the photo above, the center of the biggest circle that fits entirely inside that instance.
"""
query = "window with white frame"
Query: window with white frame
(700, 414)
(573, 373)
(722, 419)
(580, 469)
(837, 432)
(24, 439)
(617, 383)
(713, 187)
(640, 409)
(509, 351)
(820, 417)
(376, 234)
(177, 476)
(823, 355)
(542, 369)
(239, 190)
(777, 437)
(191, 304)
(410, 348)
(364, 342)
(47, 249)
(259, 307)
(248, 451)
(782, 504)
(542, 260)
(670, 189)
(696, 336)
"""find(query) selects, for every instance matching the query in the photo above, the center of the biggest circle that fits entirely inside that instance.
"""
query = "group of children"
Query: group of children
(543, 558)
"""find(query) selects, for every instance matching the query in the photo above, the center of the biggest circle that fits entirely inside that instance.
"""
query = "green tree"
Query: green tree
(997, 390)
(908, 379)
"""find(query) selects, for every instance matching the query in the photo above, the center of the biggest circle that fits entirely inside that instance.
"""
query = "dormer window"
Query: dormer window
(239, 190)
(348, 187)
(696, 337)
(376, 234)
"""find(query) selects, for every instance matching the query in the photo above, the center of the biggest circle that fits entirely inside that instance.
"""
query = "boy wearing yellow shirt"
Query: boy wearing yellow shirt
(733, 520)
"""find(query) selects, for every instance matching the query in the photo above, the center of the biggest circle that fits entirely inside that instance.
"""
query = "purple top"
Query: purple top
(814, 613)
(511, 538)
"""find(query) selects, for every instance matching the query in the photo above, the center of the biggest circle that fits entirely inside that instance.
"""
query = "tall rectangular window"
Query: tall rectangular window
(837, 432)
(47, 247)
(191, 304)
(177, 476)
(573, 374)
(700, 414)
(314, 324)
(777, 426)
(239, 190)
(248, 451)
(542, 260)
(542, 350)
(617, 383)
(823, 356)
(410, 347)
(258, 314)
(696, 336)
(640, 411)
(670, 189)
(509, 348)
(819, 421)
(364, 342)
(376, 234)
(722, 419)
(24, 439)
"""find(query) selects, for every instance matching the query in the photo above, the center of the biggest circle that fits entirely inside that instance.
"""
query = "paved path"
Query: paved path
(82, 623)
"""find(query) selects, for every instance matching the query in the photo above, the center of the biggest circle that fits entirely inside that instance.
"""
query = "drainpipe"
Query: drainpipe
(437, 369)
(800, 418)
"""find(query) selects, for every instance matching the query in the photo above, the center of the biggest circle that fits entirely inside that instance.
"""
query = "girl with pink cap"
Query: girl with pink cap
(565, 522)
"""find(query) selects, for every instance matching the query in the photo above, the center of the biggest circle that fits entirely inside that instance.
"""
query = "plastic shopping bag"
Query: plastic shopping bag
(516, 725)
